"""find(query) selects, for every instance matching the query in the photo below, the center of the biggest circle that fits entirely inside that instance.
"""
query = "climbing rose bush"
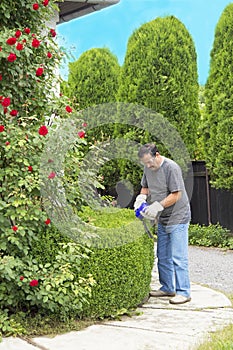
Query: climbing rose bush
(30, 106)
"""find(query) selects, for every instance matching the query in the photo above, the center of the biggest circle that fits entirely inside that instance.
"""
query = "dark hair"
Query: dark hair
(148, 148)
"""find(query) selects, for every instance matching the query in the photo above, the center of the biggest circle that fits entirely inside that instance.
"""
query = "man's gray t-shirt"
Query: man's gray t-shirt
(163, 181)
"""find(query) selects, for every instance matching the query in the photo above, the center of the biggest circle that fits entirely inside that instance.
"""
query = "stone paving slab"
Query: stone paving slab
(153, 330)
(105, 337)
(12, 343)
(159, 326)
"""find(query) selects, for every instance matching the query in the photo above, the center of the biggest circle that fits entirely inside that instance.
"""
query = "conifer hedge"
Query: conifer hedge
(93, 78)
(218, 129)
(160, 72)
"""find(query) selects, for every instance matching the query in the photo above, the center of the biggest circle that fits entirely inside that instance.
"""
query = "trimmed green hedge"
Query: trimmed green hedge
(122, 271)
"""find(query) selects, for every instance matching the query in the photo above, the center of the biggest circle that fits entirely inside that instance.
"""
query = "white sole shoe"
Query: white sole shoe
(179, 299)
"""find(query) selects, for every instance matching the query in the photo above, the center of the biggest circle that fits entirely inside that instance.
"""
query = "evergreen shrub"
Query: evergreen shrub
(122, 273)
(218, 120)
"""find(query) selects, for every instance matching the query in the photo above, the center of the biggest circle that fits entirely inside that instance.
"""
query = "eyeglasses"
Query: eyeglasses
(148, 162)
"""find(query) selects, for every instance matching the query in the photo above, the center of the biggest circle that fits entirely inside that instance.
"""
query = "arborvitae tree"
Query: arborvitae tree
(93, 78)
(160, 72)
(218, 128)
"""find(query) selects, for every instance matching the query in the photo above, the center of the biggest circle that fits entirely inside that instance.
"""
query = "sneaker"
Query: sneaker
(179, 299)
(160, 293)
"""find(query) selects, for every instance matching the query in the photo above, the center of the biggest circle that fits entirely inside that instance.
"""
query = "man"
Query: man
(163, 188)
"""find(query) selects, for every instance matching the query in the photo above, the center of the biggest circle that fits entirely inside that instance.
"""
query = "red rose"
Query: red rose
(11, 41)
(2, 128)
(6, 102)
(27, 30)
(53, 33)
(21, 278)
(35, 6)
(0, 76)
(19, 47)
(34, 283)
(39, 72)
(18, 33)
(84, 125)
(81, 134)
(43, 130)
(7, 143)
(68, 109)
(49, 55)
(14, 112)
(30, 168)
(47, 222)
(12, 57)
(15, 228)
(0, 48)
(45, 2)
(52, 175)
(35, 42)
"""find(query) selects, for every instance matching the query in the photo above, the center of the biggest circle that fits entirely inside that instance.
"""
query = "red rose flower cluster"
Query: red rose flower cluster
(69, 109)
(35, 42)
(81, 134)
(43, 130)
(52, 175)
(35, 7)
(34, 283)
(39, 72)
(19, 46)
(53, 33)
(45, 2)
(5, 102)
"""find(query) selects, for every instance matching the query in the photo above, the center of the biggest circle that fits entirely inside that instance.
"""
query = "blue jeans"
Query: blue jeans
(172, 253)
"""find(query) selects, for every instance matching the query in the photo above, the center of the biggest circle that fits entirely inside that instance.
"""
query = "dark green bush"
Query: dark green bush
(218, 121)
(93, 78)
(120, 263)
(122, 272)
(160, 72)
(210, 236)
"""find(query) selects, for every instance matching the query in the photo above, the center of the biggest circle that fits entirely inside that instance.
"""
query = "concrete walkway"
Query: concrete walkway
(159, 326)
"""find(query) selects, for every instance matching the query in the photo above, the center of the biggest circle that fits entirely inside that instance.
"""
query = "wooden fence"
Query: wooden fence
(209, 205)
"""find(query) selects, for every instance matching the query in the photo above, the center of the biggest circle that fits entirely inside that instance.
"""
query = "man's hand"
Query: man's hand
(141, 198)
(152, 211)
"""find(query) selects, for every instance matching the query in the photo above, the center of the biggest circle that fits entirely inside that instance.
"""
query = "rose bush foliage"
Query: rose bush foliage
(30, 104)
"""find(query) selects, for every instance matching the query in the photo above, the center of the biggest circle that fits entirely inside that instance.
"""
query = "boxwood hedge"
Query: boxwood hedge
(121, 264)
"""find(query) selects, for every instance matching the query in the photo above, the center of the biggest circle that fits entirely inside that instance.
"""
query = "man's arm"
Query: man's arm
(144, 190)
(171, 199)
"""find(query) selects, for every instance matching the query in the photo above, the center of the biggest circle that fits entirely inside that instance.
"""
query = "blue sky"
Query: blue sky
(112, 27)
